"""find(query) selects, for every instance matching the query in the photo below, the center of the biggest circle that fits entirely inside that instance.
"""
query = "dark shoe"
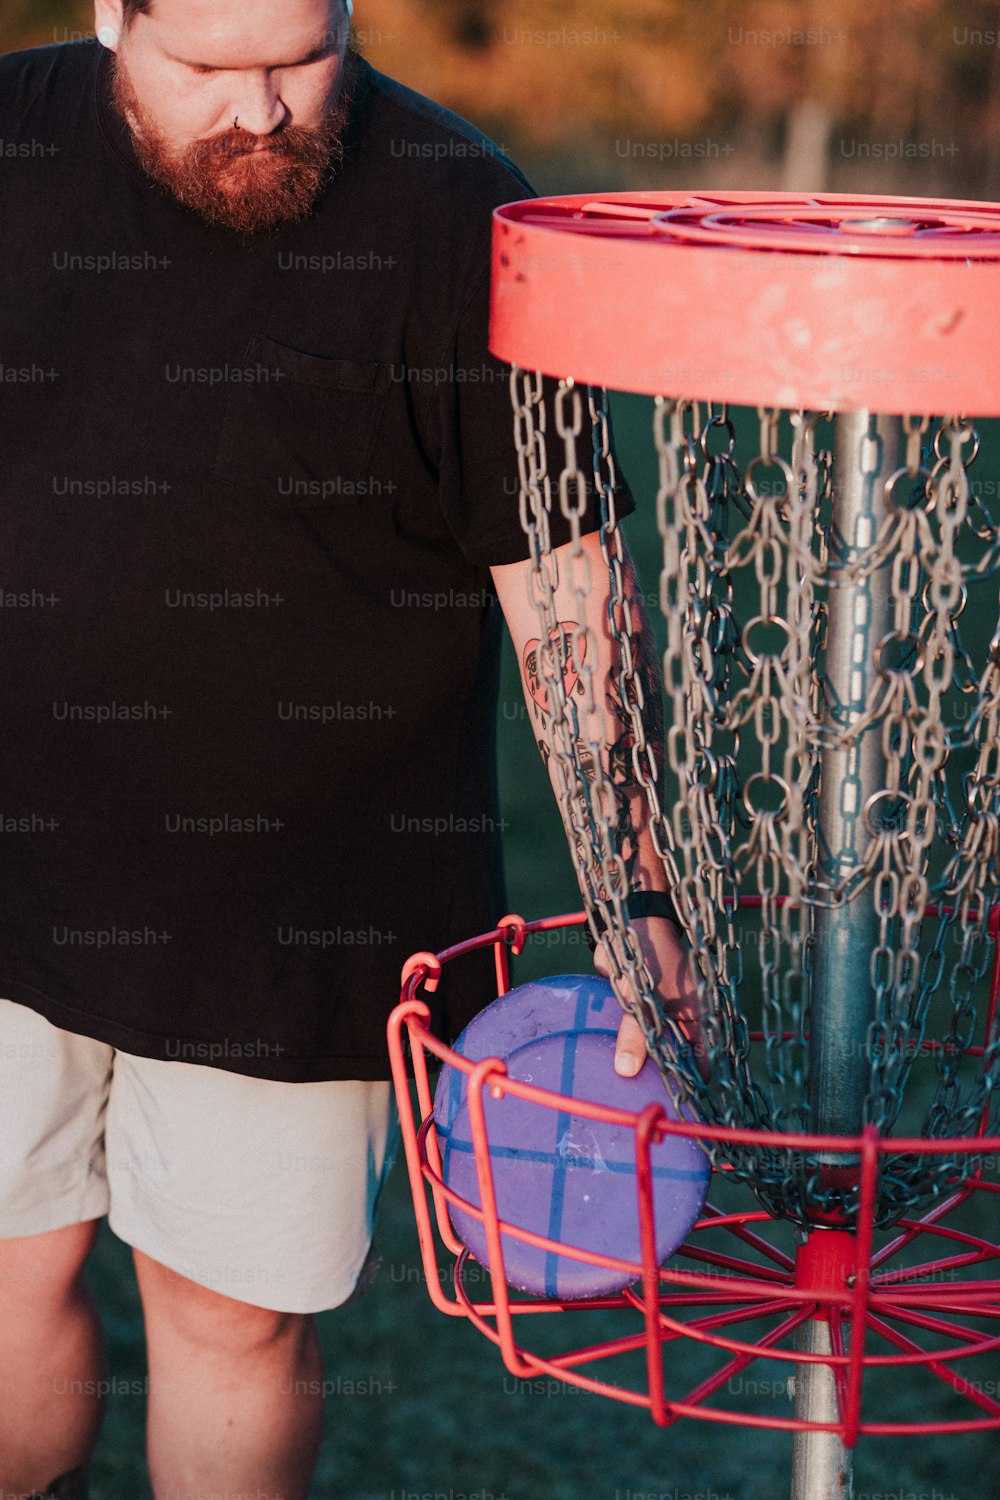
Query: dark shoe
(67, 1487)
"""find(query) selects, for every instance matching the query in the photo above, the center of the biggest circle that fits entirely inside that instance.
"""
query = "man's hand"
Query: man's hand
(664, 951)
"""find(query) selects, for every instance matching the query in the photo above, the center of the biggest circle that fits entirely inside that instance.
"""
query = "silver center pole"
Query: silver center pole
(821, 1465)
(868, 450)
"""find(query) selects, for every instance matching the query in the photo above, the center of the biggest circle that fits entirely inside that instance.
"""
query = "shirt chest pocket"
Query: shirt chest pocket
(300, 429)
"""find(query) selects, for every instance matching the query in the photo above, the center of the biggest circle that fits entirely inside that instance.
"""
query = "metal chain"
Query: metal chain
(587, 799)
(749, 562)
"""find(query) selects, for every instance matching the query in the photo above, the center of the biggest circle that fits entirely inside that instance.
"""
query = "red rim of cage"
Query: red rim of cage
(836, 1275)
(825, 302)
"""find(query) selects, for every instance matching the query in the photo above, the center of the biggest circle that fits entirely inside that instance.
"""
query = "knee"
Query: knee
(177, 1307)
(44, 1271)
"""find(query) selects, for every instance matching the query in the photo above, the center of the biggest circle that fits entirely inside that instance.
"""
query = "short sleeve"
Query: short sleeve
(480, 486)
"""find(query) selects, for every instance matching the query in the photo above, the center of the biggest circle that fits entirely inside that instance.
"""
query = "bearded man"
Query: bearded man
(260, 531)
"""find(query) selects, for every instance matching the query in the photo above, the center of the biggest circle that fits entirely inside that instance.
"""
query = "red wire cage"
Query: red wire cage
(868, 1293)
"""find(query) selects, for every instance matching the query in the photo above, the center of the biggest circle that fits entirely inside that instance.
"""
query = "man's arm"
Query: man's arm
(661, 942)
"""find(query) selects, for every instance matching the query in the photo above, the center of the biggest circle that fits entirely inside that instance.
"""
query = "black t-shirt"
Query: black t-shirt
(250, 491)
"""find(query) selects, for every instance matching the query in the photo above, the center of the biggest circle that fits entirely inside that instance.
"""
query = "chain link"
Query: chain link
(587, 800)
(750, 560)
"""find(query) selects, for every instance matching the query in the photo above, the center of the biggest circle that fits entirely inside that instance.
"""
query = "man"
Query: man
(257, 517)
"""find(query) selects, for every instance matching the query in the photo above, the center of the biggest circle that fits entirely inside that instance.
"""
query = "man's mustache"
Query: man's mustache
(289, 142)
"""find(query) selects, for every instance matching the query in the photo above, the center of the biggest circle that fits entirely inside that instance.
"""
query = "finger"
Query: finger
(630, 1048)
(601, 962)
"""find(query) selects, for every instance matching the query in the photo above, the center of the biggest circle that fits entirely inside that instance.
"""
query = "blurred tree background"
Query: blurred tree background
(841, 95)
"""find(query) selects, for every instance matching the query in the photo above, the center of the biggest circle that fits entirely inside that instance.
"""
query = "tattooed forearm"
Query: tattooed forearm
(619, 734)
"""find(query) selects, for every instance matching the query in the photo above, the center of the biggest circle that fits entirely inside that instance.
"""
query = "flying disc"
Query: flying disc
(566, 1002)
(570, 1178)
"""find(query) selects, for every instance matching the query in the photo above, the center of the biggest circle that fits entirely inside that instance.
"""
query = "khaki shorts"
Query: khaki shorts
(263, 1191)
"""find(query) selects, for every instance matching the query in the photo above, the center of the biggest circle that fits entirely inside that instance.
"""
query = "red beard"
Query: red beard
(229, 183)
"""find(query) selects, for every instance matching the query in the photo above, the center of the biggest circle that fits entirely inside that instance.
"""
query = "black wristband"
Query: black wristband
(652, 904)
(639, 904)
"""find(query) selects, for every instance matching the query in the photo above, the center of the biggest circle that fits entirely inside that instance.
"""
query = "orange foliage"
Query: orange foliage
(547, 74)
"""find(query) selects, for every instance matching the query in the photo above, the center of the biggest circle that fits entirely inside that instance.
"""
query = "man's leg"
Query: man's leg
(51, 1363)
(249, 1205)
(235, 1392)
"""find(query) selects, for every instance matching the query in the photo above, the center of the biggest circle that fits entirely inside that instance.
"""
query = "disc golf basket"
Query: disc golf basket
(828, 810)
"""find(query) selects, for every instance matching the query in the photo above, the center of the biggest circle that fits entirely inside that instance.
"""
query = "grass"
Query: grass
(421, 1404)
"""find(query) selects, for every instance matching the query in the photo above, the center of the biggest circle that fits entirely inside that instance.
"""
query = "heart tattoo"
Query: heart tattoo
(562, 639)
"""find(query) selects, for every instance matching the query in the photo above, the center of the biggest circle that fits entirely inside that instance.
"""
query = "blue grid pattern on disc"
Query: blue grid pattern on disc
(566, 1002)
(513, 1118)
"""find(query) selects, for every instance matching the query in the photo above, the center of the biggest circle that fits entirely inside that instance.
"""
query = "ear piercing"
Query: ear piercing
(107, 36)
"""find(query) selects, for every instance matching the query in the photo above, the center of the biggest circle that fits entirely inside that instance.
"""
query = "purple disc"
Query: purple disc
(566, 1002)
(570, 1178)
